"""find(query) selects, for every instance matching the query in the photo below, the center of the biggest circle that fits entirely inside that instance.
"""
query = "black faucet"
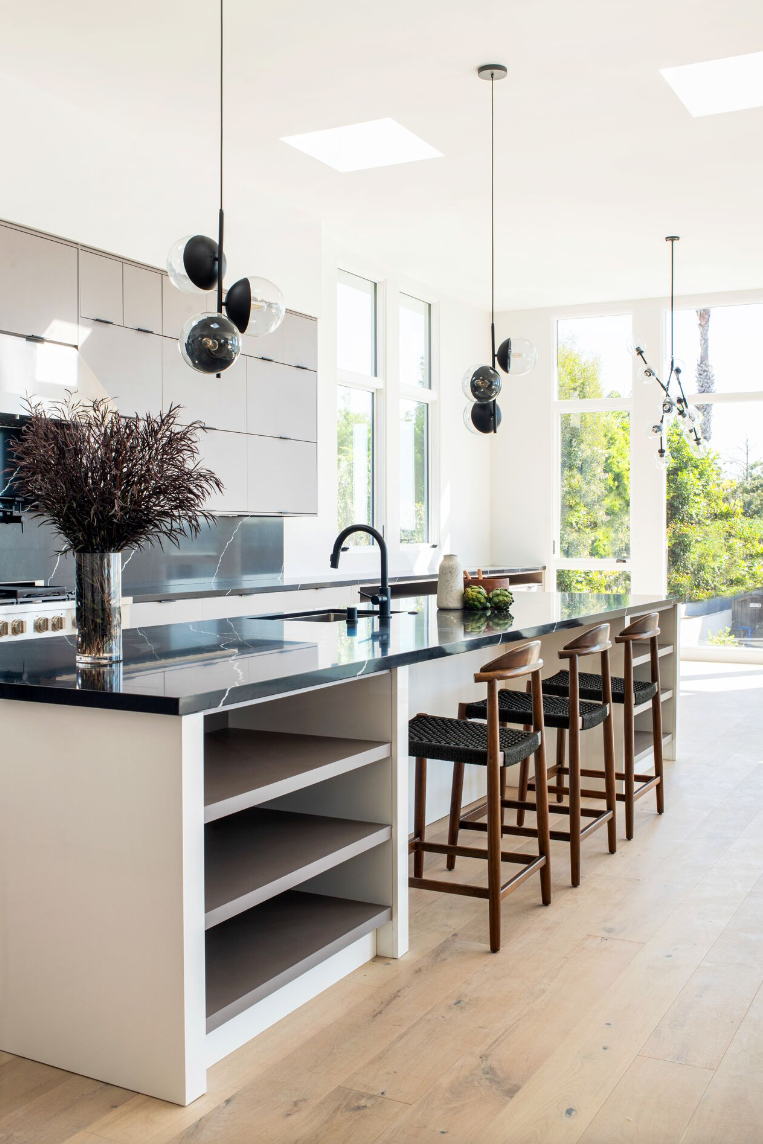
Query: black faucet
(382, 598)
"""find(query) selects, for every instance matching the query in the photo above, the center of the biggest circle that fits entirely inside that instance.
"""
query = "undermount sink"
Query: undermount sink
(325, 616)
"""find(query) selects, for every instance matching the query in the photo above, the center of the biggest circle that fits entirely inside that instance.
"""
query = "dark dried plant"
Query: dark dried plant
(106, 482)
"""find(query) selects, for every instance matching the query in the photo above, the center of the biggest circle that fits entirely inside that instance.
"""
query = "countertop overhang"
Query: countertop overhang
(182, 669)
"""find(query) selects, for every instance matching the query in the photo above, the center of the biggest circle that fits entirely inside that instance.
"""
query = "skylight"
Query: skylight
(731, 84)
(379, 143)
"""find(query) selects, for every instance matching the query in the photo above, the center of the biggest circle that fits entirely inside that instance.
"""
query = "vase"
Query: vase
(98, 603)
(450, 583)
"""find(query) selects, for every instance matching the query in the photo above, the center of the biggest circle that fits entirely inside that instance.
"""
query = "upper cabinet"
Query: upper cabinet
(218, 402)
(300, 341)
(269, 347)
(281, 401)
(38, 286)
(127, 363)
(100, 288)
(178, 307)
(142, 293)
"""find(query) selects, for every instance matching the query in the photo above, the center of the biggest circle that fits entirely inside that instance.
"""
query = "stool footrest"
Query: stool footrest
(448, 887)
(465, 851)
(521, 831)
(535, 865)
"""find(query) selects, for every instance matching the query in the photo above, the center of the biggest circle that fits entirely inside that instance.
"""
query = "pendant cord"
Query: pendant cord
(220, 227)
(492, 211)
(672, 296)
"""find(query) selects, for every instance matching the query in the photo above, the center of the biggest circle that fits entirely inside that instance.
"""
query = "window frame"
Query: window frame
(373, 384)
(428, 396)
(563, 406)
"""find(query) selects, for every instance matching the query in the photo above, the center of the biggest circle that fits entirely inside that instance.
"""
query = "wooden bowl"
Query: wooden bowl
(489, 583)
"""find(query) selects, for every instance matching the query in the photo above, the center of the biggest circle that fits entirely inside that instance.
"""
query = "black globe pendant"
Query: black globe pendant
(210, 342)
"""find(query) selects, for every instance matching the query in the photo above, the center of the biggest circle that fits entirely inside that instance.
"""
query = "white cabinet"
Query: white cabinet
(270, 346)
(300, 341)
(280, 400)
(220, 402)
(142, 290)
(178, 307)
(283, 476)
(127, 363)
(38, 286)
(226, 455)
(100, 287)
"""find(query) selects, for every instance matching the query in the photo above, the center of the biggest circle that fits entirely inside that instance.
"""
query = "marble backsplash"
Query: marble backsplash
(236, 547)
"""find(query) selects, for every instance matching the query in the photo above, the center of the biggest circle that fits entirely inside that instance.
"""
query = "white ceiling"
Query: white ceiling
(108, 121)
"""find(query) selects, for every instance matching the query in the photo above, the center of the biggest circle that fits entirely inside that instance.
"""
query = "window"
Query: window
(355, 459)
(595, 486)
(590, 580)
(719, 348)
(414, 472)
(356, 325)
(592, 359)
(415, 339)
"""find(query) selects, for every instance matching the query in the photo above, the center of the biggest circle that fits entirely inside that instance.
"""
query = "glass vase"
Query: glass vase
(99, 606)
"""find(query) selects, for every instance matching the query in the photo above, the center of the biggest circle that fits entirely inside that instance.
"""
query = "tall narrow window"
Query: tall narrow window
(415, 342)
(414, 472)
(355, 458)
(356, 324)
(595, 486)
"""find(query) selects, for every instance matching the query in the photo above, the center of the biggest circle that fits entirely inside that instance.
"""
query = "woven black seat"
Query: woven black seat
(516, 707)
(590, 687)
(458, 741)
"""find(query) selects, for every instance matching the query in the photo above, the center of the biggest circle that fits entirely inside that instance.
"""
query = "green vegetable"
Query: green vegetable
(501, 599)
(477, 623)
(475, 599)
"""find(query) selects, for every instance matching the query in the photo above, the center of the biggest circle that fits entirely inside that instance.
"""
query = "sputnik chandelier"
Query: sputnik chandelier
(481, 384)
(211, 342)
(675, 407)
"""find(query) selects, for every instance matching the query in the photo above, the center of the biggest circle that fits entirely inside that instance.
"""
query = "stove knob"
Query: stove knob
(3, 627)
(41, 624)
(18, 627)
(58, 623)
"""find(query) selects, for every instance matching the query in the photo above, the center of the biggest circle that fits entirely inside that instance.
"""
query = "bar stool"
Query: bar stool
(633, 694)
(494, 747)
(570, 716)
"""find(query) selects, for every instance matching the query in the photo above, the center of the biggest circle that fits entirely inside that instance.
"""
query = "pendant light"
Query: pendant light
(211, 342)
(674, 406)
(481, 384)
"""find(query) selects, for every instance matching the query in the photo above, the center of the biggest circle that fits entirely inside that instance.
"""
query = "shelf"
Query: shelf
(243, 768)
(662, 649)
(256, 953)
(257, 854)
(644, 744)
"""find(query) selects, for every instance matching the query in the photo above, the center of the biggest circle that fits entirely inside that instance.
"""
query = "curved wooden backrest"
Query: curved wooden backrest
(520, 660)
(641, 629)
(595, 639)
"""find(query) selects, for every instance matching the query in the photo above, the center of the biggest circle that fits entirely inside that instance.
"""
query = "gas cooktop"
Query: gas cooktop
(28, 592)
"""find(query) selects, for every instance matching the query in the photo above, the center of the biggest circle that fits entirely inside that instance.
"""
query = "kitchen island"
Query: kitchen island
(194, 843)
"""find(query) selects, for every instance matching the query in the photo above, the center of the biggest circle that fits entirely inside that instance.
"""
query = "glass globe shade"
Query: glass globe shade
(517, 356)
(654, 430)
(634, 346)
(678, 365)
(662, 460)
(192, 264)
(209, 343)
(481, 383)
(256, 305)
(478, 418)
(646, 374)
(694, 414)
(668, 408)
(701, 449)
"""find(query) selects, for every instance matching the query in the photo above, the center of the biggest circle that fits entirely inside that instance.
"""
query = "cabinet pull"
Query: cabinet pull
(104, 321)
(33, 338)
(144, 330)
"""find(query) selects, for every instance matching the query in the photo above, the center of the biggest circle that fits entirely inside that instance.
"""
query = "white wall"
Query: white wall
(462, 517)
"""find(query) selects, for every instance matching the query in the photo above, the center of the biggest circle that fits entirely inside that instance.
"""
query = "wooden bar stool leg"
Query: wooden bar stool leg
(419, 815)
(608, 728)
(574, 777)
(629, 736)
(503, 796)
(494, 845)
(524, 779)
(456, 797)
(659, 790)
(541, 796)
(561, 735)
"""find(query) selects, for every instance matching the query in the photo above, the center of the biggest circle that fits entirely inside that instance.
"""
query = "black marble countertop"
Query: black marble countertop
(253, 585)
(179, 669)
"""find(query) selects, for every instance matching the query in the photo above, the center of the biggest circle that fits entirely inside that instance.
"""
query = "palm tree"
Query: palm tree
(705, 375)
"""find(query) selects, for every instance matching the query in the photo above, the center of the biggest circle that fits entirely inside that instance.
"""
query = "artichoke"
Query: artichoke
(501, 599)
(475, 599)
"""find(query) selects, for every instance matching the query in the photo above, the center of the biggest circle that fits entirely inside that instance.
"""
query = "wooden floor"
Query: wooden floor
(630, 1010)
